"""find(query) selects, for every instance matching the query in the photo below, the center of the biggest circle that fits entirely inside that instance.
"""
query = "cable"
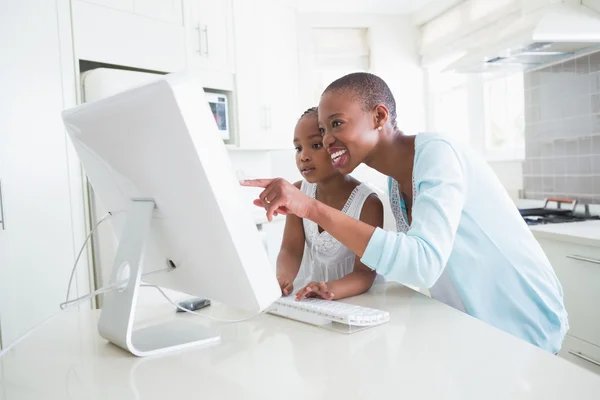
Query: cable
(74, 303)
(227, 321)
(113, 286)
(104, 218)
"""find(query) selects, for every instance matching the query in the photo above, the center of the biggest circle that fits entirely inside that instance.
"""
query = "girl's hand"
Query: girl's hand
(280, 197)
(286, 285)
(315, 289)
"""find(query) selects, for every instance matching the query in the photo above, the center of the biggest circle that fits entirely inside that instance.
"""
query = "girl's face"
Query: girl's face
(349, 133)
(312, 159)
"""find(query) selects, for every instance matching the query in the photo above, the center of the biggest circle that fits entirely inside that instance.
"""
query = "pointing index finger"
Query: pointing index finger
(263, 183)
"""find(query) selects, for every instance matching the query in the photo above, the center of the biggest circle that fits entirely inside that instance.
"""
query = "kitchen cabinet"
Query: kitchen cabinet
(162, 10)
(38, 239)
(138, 40)
(209, 35)
(267, 81)
(578, 270)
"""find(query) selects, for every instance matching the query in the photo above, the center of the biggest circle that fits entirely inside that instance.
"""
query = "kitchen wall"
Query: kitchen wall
(563, 130)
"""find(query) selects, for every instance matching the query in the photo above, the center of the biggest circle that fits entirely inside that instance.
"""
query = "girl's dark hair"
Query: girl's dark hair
(312, 110)
(367, 88)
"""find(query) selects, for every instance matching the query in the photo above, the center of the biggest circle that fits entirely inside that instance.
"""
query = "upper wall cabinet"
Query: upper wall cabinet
(162, 10)
(267, 82)
(209, 34)
(146, 34)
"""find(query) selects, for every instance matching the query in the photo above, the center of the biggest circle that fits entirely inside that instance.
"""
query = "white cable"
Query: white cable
(107, 216)
(227, 321)
(29, 332)
(113, 286)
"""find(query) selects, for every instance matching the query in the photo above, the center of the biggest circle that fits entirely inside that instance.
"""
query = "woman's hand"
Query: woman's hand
(280, 197)
(315, 289)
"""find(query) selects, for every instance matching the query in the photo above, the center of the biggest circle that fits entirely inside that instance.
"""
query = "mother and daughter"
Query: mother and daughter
(482, 261)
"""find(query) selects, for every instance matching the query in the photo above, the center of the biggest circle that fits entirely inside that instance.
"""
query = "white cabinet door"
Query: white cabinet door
(209, 31)
(116, 37)
(266, 73)
(37, 245)
(581, 353)
(578, 270)
(163, 10)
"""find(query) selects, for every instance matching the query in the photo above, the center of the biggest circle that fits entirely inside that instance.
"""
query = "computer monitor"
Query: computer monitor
(155, 152)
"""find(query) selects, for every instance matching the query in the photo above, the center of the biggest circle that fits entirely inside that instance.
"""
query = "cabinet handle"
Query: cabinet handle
(584, 357)
(199, 34)
(2, 227)
(586, 259)
(265, 118)
(268, 117)
(205, 30)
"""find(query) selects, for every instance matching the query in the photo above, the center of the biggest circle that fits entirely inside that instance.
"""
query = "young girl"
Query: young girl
(459, 233)
(310, 258)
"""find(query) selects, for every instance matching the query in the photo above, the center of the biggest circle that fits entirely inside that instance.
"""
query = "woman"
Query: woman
(459, 233)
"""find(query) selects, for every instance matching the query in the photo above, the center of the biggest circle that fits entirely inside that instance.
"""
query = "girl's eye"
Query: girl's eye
(317, 145)
(322, 131)
(336, 124)
(298, 149)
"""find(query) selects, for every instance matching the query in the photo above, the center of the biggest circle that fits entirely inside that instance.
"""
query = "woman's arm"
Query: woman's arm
(417, 257)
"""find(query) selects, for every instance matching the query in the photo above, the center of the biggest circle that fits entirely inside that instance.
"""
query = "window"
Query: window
(337, 52)
(449, 104)
(451, 113)
(504, 102)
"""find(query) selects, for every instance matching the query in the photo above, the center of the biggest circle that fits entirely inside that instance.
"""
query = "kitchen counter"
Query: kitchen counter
(585, 233)
(427, 351)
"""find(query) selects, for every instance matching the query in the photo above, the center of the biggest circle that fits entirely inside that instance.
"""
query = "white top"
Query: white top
(427, 351)
(325, 258)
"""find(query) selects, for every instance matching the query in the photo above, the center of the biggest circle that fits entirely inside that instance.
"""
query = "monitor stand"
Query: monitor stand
(118, 311)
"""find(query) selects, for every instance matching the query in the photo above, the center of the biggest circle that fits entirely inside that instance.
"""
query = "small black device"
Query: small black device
(193, 304)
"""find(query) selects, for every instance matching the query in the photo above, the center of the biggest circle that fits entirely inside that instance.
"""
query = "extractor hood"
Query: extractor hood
(548, 35)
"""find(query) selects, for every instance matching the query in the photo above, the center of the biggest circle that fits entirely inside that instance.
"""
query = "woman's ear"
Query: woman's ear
(380, 116)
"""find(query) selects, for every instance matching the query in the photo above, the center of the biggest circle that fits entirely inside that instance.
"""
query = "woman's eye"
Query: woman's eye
(298, 149)
(322, 131)
(336, 124)
(317, 145)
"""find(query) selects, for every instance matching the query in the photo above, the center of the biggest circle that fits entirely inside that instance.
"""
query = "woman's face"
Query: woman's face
(312, 158)
(349, 133)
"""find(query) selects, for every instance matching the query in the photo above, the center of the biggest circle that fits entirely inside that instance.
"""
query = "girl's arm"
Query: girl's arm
(290, 254)
(361, 278)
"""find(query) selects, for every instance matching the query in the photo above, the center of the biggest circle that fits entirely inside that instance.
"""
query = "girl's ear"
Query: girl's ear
(381, 115)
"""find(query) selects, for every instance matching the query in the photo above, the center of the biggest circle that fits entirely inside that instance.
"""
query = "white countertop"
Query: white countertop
(427, 351)
(585, 233)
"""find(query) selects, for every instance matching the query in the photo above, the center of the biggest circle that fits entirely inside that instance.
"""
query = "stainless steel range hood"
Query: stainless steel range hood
(548, 35)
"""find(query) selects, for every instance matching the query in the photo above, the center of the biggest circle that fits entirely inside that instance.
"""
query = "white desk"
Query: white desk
(427, 351)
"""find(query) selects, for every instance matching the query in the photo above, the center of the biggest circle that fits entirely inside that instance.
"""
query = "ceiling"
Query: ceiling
(367, 6)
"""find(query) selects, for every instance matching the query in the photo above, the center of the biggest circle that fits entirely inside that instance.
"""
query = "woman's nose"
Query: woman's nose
(328, 140)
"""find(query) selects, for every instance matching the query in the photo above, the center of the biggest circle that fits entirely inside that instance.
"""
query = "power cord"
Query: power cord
(226, 321)
(83, 246)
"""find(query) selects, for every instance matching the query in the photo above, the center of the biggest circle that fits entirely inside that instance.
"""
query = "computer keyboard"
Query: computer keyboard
(323, 312)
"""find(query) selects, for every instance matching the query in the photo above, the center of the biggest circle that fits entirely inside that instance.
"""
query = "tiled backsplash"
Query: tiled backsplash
(562, 131)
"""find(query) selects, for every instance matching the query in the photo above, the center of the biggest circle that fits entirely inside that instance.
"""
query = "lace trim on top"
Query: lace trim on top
(396, 203)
